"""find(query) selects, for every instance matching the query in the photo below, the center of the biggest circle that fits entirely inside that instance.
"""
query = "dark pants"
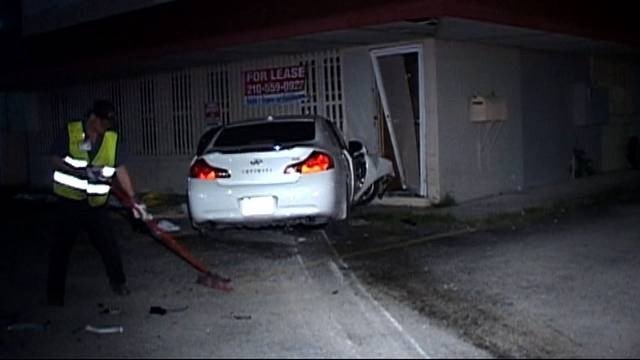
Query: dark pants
(72, 218)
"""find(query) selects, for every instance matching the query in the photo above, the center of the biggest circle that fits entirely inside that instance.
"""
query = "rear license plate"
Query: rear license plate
(261, 205)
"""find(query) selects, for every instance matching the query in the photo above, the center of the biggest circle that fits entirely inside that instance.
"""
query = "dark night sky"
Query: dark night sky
(187, 25)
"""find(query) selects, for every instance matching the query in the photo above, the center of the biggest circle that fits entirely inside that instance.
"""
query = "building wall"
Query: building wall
(616, 78)
(549, 134)
(478, 159)
(575, 102)
(162, 115)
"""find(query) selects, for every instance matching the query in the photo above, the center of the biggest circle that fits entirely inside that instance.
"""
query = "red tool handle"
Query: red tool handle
(206, 278)
(165, 238)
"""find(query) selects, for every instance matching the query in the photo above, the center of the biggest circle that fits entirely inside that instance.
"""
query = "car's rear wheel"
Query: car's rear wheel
(338, 229)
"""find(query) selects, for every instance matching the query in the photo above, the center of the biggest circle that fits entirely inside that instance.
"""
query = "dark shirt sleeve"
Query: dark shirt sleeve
(60, 145)
(122, 157)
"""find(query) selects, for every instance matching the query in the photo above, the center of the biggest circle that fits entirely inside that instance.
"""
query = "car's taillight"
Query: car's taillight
(316, 162)
(203, 171)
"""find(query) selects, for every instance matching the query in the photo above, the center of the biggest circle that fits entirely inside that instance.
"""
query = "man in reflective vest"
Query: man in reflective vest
(85, 161)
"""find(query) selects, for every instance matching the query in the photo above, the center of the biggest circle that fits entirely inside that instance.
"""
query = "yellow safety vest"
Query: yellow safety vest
(69, 185)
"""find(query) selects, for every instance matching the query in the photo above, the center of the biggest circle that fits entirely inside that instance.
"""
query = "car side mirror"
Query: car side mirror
(355, 146)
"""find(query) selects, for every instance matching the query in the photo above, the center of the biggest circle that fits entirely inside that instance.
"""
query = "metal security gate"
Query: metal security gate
(323, 88)
(163, 114)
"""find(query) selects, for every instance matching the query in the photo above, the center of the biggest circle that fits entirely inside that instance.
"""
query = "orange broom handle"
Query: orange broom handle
(166, 239)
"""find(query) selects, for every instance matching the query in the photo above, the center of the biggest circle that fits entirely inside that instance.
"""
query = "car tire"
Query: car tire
(338, 229)
(205, 231)
(369, 194)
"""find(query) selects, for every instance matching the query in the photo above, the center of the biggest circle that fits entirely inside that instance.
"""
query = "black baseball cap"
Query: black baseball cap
(104, 109)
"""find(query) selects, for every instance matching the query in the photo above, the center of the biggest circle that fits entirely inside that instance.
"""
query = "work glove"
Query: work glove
(140, 211)
(96, 173)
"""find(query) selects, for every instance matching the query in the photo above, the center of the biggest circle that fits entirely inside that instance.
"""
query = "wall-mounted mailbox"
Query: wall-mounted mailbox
(487, 108)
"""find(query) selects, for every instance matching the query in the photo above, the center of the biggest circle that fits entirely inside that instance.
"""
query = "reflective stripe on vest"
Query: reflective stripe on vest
(70, 181)
(81, 184)
(73, 187)
(78, 164)
(98, 189)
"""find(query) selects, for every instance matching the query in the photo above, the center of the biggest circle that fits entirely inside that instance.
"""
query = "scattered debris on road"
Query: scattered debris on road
(206, 277)
(159, 310)
(168, 226)
(358, 222)
(38, 327)
(108, 310)
(103, 330)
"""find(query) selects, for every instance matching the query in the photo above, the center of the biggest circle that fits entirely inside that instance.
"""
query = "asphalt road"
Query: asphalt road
(563, 283)
(293, 297)
(396, 284)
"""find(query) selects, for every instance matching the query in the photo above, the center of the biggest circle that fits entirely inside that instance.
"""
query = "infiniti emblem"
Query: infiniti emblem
(256, 162)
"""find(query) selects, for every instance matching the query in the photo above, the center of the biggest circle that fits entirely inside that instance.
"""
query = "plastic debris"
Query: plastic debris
(358, 222)
(450, 286)
(40, 327)
(168, 226)
(110, 310)
(102, 330)
(159, 310)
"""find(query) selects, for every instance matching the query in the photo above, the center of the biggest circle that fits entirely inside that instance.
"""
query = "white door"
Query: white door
(399, 78)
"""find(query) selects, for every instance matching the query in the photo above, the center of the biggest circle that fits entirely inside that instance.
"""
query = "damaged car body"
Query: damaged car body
(281, 171)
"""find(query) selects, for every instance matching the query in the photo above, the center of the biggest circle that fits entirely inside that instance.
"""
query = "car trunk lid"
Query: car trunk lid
(262, 167)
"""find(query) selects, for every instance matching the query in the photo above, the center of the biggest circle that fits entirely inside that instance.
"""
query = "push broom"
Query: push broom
(205, 276)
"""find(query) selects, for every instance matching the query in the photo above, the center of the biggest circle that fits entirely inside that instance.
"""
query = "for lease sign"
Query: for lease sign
(275, 85)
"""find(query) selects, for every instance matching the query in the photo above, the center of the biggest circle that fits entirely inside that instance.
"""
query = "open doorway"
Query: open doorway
(399, 79)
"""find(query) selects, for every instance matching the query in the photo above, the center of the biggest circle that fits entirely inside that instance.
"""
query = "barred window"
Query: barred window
(181, 110)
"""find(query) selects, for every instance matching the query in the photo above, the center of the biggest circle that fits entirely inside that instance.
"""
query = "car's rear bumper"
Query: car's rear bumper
(312, 196)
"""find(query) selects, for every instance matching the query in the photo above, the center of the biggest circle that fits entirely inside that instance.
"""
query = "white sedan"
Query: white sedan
(280, 171)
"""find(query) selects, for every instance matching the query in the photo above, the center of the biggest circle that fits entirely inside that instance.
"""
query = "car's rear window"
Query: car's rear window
(273, 133)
